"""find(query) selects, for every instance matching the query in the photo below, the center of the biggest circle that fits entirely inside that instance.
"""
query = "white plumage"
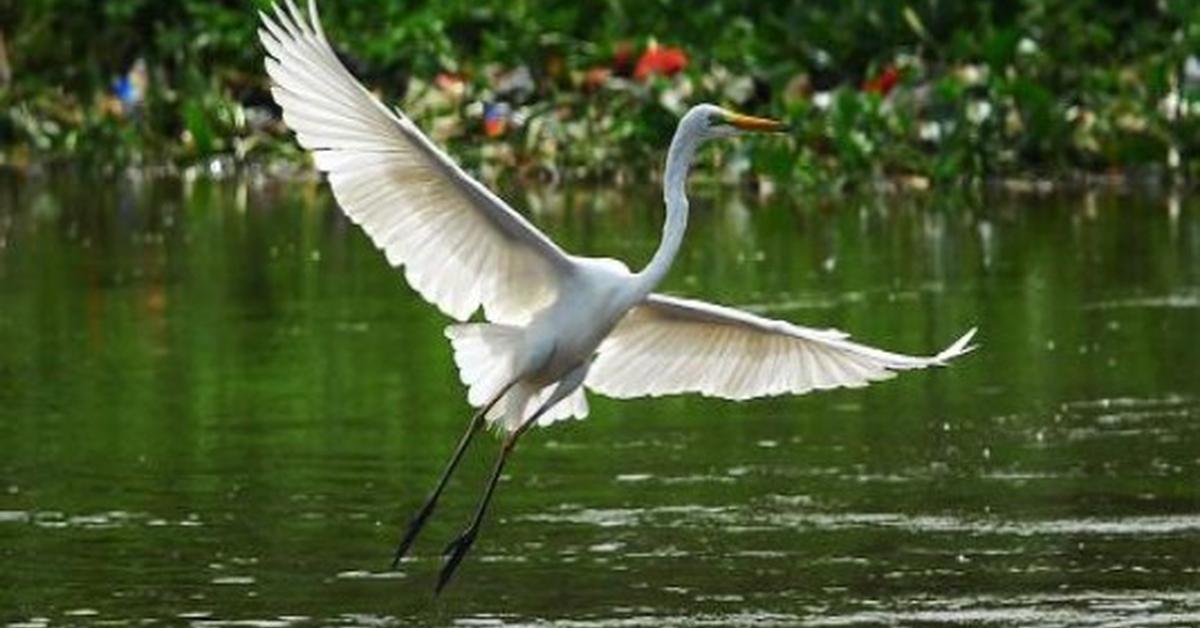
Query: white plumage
(555, 322)
(461, 247)
(667, 345)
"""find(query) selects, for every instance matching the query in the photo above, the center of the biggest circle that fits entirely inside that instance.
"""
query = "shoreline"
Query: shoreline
(226, 168)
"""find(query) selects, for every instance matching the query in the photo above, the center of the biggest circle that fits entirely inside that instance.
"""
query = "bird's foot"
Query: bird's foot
(454, 554)
(410, 535)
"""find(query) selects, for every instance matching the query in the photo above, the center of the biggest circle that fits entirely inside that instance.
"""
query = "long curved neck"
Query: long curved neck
(679, 161)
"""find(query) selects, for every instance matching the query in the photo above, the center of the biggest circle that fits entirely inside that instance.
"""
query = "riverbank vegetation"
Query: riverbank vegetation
(928, 93)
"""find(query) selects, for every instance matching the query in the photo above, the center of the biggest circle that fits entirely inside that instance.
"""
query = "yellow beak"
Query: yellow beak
(751, 123)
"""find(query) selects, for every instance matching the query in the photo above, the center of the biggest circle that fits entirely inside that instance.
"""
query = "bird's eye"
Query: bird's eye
(716, 119)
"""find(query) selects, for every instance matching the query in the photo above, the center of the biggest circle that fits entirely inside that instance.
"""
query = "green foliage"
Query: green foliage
(985, 89)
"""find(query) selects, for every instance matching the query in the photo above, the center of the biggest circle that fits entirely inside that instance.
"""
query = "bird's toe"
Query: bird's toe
(454, 553)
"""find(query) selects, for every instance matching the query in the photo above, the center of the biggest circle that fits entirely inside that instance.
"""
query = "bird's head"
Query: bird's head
(711, 121)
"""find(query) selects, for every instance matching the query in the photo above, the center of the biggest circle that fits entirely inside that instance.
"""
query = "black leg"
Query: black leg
(459, 547)
(422, 515)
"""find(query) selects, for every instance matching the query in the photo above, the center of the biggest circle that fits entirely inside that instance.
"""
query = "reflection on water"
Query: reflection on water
(218, 404)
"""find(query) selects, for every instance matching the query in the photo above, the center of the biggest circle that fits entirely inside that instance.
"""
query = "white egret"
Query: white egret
(556, 324)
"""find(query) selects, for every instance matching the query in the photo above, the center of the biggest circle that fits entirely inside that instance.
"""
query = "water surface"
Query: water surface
(218, 405)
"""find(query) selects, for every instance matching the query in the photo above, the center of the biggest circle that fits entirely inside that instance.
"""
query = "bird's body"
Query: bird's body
(559, 340)
(566, 334)
(556, 324)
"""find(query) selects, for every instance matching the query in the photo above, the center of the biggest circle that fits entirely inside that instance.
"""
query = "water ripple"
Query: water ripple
(755, 518)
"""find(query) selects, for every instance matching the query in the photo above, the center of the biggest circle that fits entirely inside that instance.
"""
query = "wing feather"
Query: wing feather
(459, 245)
(667, 345)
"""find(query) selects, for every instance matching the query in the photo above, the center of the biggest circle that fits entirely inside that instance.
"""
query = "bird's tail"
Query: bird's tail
(485, 355)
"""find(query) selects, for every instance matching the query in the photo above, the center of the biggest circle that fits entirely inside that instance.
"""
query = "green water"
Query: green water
(218, 405)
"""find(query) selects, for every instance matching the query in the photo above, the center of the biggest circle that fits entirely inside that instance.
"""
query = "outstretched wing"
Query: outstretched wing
(460, 245)
(668, 345)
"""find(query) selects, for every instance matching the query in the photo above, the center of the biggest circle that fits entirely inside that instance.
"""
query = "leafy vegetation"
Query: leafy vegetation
(929, 92)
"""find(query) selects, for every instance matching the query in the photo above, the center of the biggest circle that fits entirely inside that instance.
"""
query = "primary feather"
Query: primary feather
(461, 247)
(667, 345)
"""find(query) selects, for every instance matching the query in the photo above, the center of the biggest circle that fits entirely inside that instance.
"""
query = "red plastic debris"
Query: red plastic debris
(660, 60)
(495, 119)
(884, 82)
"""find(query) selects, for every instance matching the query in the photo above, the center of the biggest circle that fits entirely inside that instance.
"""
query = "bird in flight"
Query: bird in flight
(555, 324)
